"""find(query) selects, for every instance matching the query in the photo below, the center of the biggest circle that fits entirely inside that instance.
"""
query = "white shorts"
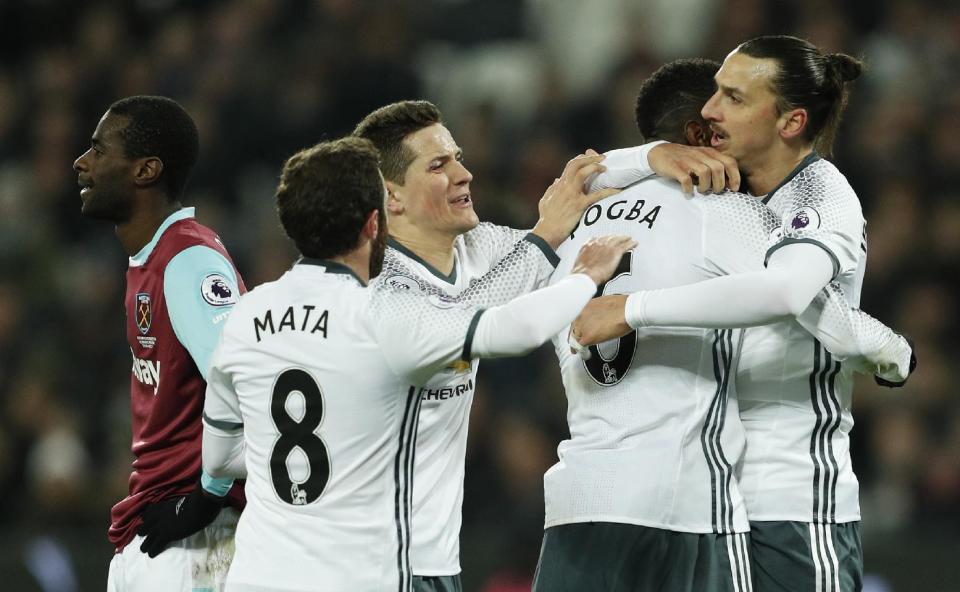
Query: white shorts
(198, 563)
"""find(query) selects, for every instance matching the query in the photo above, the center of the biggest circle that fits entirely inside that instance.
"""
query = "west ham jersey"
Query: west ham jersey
(325, 377)
(520, 263)
(180, 288)
(654, 422)
(795, 397)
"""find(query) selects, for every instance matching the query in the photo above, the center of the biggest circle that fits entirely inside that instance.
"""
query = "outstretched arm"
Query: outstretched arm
(793, 277)
(692, 166)
(848, 333)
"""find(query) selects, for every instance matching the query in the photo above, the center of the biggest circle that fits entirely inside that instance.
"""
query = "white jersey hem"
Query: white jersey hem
(807, 518)
(635, 522)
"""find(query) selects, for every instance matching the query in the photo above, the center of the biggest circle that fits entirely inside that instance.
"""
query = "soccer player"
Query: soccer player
(315, 387)
(778, 102)
(181, 284)
(438, 246)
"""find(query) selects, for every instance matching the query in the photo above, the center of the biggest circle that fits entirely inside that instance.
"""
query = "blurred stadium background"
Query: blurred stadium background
(524, 85)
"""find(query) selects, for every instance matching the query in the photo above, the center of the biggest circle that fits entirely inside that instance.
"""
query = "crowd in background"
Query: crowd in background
(524, 86)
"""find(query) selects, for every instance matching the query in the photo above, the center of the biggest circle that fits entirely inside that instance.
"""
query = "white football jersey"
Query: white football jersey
(795, 397)
(654, 421)
(519, 265)
(324, 374)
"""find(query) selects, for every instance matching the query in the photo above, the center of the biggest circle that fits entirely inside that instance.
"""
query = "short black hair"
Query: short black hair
(809, 79)
(160, 127)
(673, 95)
(389, 125)
(326, 193)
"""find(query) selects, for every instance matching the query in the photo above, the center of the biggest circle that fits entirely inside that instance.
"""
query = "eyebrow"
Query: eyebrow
(729, 89)
(445, 156)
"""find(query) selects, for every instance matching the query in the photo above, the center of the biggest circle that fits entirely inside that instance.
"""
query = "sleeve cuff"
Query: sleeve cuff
(227, 426)
(634, 310)
(793, 241)
(471, 331)
(217, 487)
(545, 248)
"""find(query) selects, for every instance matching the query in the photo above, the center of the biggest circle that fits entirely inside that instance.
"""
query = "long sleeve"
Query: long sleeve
(794, 276)
(420, 336)
(856, 337)
(526, 322)
(625, 166)
(223, 444)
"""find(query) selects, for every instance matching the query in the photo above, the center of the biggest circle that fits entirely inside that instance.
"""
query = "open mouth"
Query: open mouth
(463, 201)
(85, 186)
(717, 139)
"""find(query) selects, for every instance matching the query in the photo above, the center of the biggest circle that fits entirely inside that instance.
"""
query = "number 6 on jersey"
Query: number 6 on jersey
(604, 371)
(298, 433)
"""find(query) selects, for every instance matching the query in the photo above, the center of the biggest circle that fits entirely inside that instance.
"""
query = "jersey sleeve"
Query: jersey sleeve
(736, 232)
(625, 166)
(420, 335)
(526, 267)
(493, 241)
(855, 337)
(822, 209)
(223, 456)
(200, 288)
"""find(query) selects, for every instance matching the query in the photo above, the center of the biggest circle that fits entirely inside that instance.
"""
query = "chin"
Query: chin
(469, 222)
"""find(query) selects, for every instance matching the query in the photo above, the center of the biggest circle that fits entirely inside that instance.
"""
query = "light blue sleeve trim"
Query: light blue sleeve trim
(196, 321)
(217, 487)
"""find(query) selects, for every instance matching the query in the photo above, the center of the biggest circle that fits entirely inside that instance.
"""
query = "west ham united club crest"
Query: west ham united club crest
(144, 314)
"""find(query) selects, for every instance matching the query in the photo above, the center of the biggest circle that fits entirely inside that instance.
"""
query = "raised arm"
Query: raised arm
(692, 166)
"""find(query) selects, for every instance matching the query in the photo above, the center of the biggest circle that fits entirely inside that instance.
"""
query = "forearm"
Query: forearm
(852, 335)
(223, 453)
(625, 166)
(781, 291)
(528, 321)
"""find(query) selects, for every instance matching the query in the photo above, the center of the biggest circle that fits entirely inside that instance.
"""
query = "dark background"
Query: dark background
(524, 86)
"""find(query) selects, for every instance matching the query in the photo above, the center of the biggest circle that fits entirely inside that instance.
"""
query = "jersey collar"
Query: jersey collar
(141, 257)
(330, 267)
(450, 279)
(807, 161)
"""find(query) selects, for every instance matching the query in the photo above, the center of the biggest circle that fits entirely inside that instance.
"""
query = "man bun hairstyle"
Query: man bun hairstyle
(808, 79)
(160, 127)
(673, 95)
(389, 125)
(326, 193)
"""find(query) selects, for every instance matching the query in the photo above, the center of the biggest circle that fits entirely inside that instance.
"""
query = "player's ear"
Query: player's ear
(394, 198)
(148, 171)
(695, 133)
(371, 228)
(793, 123)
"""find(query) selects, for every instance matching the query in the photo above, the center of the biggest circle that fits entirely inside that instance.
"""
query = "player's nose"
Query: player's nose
(80, 164)
(463, 175)
(710, 111)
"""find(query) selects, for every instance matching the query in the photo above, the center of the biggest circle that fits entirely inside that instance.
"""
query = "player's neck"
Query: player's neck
(358, 261)
(136, 232)
(436, 249)
(764, 177)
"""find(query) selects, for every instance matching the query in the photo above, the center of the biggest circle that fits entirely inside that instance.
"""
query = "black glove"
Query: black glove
(176, 518)
(913, 366)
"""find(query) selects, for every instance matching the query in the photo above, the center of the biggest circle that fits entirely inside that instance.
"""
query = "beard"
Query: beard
(379, 247)
(108, 204)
